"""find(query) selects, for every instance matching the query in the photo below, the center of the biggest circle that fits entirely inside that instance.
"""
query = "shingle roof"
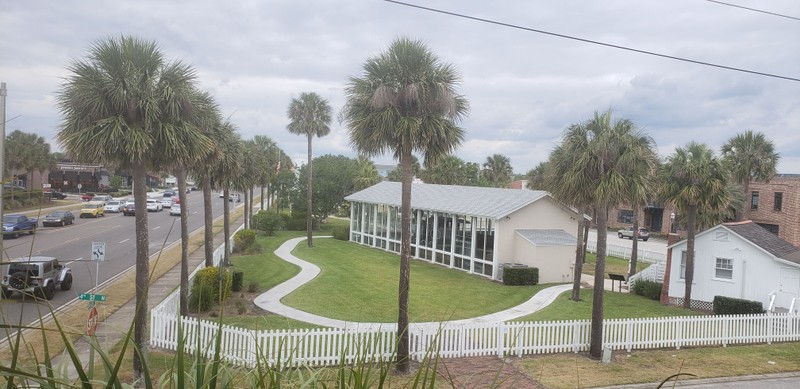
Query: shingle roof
(548, 237)
(768, 241)
(493, 203)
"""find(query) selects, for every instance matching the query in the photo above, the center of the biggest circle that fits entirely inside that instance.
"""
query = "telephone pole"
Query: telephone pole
(2, 154)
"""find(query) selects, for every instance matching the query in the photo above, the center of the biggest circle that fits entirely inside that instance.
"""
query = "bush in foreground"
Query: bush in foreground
(647, 288)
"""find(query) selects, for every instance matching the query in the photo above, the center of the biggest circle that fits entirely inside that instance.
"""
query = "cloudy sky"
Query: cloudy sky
(524, 87)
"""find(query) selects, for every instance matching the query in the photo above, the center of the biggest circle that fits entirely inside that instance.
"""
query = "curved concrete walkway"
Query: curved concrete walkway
(271, 300)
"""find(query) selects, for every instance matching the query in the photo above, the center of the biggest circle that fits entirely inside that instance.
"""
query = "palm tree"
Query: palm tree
(367, 173)
(750, 157)
(265, 154)
(449, 170)
(228, 168)
(405, 102)
(119, 108)
(498, 171)
(595, 166)
(694, 180)
(535, 176)
(206, 113)
(309, 115)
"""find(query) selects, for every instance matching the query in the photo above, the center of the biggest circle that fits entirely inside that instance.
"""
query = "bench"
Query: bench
(618, 278)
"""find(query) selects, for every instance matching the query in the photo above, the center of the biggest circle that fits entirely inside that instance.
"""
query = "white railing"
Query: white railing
(771, 306)
(332, 346)
(793, 306)
(625, 252)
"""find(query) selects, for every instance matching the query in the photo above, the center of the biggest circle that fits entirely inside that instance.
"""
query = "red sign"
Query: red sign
(91, 322)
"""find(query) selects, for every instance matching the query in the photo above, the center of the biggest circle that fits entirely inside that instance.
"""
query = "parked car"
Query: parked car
(35, 275)
(58, 195)
(16, 224)
(114, 206)
(235, 197)
(88, 196)
(627, 232)
(93, 209)
(169, 193)
(175, 210)
(129, 209)
(154, 205)
(58, 218)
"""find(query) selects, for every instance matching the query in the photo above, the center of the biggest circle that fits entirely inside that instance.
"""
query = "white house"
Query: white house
(741, 260)
(470, 228)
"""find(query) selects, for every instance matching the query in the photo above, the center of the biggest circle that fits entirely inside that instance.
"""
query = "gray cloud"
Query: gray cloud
(524, 88)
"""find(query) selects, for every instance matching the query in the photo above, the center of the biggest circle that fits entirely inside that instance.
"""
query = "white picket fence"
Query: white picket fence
(625, 252)
(334, 346)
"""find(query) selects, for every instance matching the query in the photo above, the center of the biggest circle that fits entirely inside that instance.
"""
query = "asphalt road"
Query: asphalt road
(655, 244)
(72, 246)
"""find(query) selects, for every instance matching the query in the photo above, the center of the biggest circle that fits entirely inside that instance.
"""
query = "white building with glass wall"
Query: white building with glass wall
(473, 229)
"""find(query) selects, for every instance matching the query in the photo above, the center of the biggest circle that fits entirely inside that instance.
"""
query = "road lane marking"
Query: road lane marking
(123, 241)
(156, 228)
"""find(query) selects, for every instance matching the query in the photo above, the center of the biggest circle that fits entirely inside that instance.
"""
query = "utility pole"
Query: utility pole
(2, 154)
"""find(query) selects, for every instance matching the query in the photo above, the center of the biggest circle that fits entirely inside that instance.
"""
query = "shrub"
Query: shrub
(238, 281)
(296, 221)
(733, 306)
(341, 232)
(201, 298)
(520, 275)
(252, 287)
(245, 242)
(647, 288)
(210, 276)
(241, 306)
(268, 222)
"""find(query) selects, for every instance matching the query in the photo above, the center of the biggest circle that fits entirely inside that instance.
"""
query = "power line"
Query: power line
(593, 41)
(753, 9)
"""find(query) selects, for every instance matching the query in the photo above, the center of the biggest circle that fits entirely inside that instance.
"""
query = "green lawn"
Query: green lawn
(360, 284)
(613, 265)
(615, 306)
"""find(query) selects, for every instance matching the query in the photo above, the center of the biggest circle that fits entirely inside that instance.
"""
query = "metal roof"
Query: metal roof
(548, 237)
(493, 203)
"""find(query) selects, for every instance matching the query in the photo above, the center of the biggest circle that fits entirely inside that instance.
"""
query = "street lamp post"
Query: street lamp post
(672, 222)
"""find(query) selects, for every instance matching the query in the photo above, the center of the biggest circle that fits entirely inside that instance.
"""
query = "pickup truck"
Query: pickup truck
(15, 224)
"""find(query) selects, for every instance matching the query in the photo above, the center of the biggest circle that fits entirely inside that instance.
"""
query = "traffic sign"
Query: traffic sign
(91, 321)
(92, 297)
(98, 251)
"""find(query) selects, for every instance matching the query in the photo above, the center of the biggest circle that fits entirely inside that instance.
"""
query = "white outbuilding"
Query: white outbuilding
(740, 260)
(473, 229)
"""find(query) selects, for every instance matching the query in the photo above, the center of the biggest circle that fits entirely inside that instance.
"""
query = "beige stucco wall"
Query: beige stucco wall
(544, 213)
(555, 263)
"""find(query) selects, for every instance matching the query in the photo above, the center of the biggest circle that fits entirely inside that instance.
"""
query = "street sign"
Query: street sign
(92, 297)
(98, 251)
(91, 321)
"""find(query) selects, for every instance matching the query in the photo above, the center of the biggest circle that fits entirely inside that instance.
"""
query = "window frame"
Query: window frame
(754, 200)
(778, 202)
(725, 265)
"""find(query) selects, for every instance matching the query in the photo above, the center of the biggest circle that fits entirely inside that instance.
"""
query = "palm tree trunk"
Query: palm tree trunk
(635, 246)
(244, 210)
(184, 290)
(596, 343)
(309, 210)
(691, 220)
(405, 270)
(226, 226)
(746, 201)
(209, 222)
(262, 197)
(142, 270)
(578, 268)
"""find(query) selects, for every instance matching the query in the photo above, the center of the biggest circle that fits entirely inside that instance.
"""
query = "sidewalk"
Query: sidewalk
(116, 326)
(271, 299)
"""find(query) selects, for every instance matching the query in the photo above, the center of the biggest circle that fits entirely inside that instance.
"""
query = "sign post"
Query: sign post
(98, 255)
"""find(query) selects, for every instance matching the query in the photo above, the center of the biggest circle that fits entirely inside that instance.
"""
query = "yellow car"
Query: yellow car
(93, 209)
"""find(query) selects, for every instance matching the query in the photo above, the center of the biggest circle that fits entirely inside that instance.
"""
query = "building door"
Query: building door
(789, 286)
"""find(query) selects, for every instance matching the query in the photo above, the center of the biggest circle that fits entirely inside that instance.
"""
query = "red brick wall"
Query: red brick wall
(788, 218)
